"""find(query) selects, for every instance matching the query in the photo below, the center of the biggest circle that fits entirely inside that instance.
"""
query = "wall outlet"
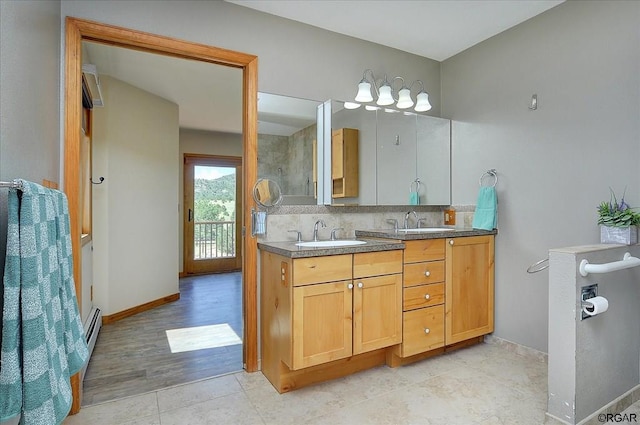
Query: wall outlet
(450, 217)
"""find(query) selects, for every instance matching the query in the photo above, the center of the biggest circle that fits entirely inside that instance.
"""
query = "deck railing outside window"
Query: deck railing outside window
(214, 239)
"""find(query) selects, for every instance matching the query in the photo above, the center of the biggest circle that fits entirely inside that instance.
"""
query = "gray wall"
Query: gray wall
(29, 97)
(555, 164)
(294, 59)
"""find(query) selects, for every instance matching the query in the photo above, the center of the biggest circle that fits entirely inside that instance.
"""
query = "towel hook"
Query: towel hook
(100, 182)
(493, 173)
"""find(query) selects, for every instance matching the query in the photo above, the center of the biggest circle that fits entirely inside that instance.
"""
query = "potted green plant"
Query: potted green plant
(618, 221)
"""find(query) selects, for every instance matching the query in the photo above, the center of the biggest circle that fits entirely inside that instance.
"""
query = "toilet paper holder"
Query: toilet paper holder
(586, 293)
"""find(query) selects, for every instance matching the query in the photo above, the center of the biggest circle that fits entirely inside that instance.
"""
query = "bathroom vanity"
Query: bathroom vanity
(399, 298)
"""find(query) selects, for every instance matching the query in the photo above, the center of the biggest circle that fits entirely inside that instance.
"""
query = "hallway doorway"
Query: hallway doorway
(77, 30)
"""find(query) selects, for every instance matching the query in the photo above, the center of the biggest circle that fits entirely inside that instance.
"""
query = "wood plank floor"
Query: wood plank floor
(133, 356)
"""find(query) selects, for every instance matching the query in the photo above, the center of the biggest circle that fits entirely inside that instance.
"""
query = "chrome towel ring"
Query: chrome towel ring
(490, 173)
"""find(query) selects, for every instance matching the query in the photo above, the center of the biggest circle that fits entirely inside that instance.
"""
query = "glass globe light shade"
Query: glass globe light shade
(422, 104)
(404, 98)
(385, 97)
(364, 92)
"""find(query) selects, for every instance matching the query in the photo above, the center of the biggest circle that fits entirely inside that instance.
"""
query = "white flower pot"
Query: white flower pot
(623, 235)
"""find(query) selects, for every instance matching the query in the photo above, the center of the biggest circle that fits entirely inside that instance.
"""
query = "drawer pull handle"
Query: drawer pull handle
(427, 330)
(450, 241)
(350, 286)
(427, 273)
(360, 284)
(427, 296)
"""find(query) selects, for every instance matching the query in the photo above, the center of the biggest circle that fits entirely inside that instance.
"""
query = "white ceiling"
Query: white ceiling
(436, 29)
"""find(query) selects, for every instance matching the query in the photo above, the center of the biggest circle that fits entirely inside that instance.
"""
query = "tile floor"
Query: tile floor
(485, 384)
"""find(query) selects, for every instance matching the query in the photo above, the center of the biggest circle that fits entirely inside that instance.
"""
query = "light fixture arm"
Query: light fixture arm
(421, 85)
(372, 81)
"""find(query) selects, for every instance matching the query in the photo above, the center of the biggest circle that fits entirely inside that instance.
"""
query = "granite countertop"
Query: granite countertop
(291, 250)
(404, 236)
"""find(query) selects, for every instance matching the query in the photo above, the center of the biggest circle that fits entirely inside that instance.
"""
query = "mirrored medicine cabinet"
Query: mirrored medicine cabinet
(397, 153)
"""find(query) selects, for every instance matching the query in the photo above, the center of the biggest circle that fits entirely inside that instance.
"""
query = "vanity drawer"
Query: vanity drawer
(423, 296)
(423, 250)
(423, 273)
(423, 330)
(377, 263)
(321, 269)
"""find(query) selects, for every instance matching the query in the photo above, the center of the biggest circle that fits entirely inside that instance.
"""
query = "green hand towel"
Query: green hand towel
(486, 214)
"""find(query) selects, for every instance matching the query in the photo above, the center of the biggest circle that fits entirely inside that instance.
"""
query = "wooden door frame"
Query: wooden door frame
(187, 243)
(78, 30)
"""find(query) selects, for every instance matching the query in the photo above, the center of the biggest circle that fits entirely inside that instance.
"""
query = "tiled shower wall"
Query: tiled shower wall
(288, 161)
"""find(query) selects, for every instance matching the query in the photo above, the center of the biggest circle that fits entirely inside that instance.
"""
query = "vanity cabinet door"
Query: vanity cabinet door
(377, 312)
(469, 303)
(321, 323)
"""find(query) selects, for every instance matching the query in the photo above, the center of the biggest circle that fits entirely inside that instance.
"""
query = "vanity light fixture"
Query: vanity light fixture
(385, 94)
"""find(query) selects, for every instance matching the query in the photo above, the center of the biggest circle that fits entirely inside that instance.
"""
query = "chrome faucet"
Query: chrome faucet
(420, 220)
(394, 222)
(315, 229)
(333, 233)
(406, 218)
(298, 235)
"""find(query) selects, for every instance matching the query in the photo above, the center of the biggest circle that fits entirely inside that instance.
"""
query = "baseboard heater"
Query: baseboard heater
(91, 329)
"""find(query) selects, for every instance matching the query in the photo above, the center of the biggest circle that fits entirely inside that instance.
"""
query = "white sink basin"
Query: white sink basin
(427, 230)
(330, 244)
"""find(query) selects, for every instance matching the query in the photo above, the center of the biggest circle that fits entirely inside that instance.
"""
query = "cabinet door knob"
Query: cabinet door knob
(360, 284)
(350, 286)
(427, 330)
(450, 241)
(427, 273)
(427, 296)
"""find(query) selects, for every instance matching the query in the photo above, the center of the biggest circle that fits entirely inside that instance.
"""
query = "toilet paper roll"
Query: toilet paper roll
(600, 305)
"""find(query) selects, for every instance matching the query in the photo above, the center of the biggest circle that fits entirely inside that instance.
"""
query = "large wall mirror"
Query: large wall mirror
(287, 129)
(398, 153)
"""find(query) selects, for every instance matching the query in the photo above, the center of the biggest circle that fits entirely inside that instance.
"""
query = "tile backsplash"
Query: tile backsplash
(301, 218)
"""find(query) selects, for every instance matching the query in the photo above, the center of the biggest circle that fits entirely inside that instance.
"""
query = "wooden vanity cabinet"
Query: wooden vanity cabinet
(469, 306)
(328, 308)
(344, 163)
(423, 297)
(448, 294)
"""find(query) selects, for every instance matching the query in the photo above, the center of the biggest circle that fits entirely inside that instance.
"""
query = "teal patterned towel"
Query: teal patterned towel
(43, 341)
